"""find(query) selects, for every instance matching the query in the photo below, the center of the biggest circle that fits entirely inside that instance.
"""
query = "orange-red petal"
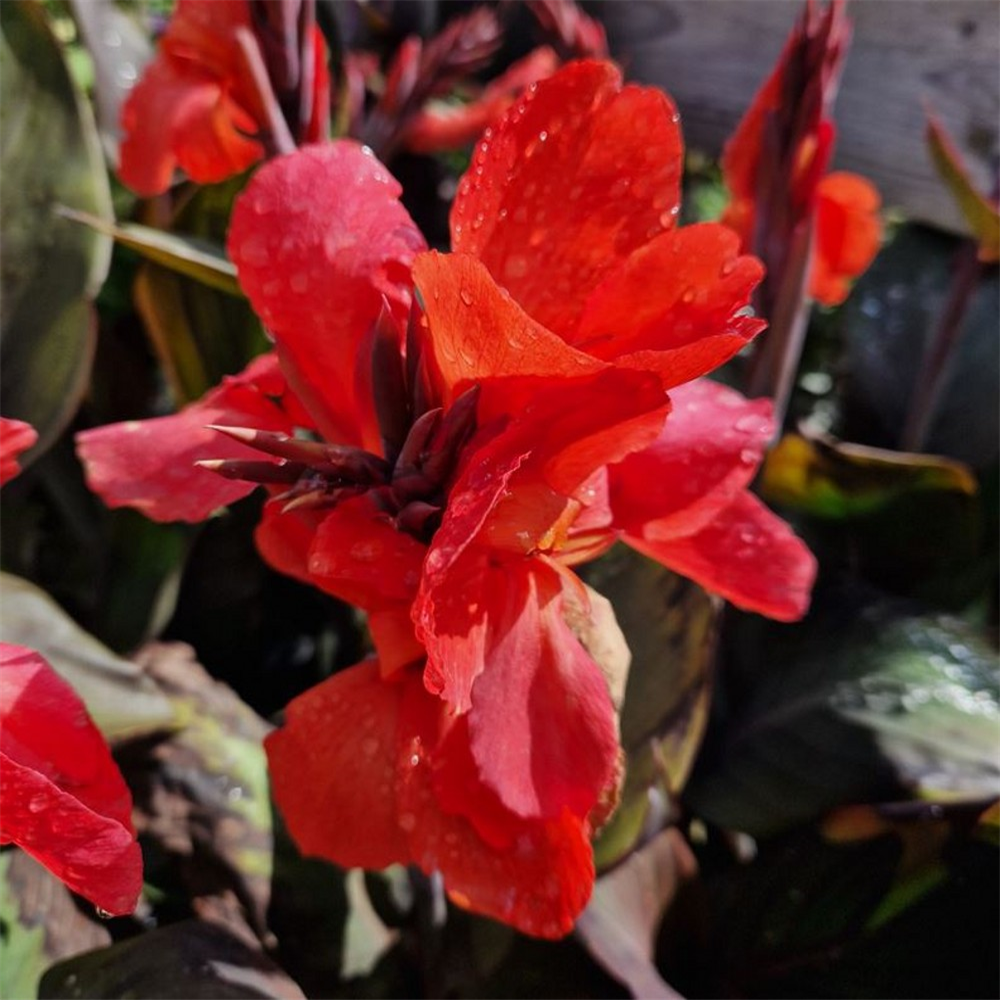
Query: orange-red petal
(359, 555)
(564, 186)
(678, 306)
(333, 769)
(62, 797)
(847, 235)
(187, 110)
(478, 331)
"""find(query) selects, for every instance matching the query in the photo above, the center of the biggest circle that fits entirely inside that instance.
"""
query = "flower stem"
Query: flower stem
(275, 137)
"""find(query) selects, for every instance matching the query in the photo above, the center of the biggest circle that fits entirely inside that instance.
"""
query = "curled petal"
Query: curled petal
(565, 186)
(746, 554)
(449, 614)
(542, 726)
(63, 799)
(333, 769)
(707, 453)
(150, 464)
(15, 437)
(179, 115)
(678, 306)
(536, 875)
(319, 239)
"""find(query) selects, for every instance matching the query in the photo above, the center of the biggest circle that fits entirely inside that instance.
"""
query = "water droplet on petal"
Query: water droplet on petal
(466, 296)
(407, 822)
(366, 551)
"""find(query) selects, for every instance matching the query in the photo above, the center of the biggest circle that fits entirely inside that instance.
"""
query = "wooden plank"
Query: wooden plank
(712, 55)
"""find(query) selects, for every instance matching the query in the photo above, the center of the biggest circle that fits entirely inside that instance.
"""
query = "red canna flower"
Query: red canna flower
(198, 105)
(15, 436)
(463, 457)
(848, 234)
(62, 799)
(775, 162)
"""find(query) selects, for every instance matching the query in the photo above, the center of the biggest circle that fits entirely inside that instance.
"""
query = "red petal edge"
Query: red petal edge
(63, 799)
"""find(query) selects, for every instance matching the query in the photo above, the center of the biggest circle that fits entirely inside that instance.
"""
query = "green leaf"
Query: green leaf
(193, 959)
(198, 258)
(856, 704)
(49, 155)
(982, 214)
(122, 701)
(834, 479)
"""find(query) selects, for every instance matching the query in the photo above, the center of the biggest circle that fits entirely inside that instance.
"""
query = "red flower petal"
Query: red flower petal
(676, 305)
(747, 554)
(449, 612)
(848, 234)
(478, 331)
(15, 436)
(573, 426)
(63, 799)
(333, 769)
(178, 115)
(535, 875)
(542, 725)
(187, 110)
(284, 540)
(149, 464)
(360, 556)
(707, 453)
(319, 237)
(565, 186)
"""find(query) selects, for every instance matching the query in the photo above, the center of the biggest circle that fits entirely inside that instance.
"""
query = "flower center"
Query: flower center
(421, 441)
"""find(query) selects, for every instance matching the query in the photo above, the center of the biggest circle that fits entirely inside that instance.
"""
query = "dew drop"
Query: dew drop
(254, 251)
(466, 296)
(687, 295)
(367, 551)
(748, 423)
(748, 456)
(37, 803)
(515, 266)
(407, 822)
